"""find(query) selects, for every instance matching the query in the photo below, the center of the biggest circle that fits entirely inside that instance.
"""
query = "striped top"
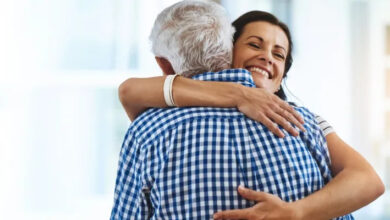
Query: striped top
(324, 125)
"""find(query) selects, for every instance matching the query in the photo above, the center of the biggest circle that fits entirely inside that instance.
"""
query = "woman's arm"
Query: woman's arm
(138, 94)
(355, 185)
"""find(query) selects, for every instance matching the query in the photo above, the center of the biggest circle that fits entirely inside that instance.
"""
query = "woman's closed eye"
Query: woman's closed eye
(279, 55)
(254, 45)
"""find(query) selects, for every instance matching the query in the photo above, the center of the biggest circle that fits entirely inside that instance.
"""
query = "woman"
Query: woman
(263, 46)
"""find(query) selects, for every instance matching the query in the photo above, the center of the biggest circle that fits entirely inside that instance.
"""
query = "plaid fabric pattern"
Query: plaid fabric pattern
(186, 163)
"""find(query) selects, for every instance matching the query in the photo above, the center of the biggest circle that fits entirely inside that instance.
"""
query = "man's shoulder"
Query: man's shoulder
(155, 121)
(305, 112)
(207, 75)
(310, 119)
(161, 116)
(241, 76)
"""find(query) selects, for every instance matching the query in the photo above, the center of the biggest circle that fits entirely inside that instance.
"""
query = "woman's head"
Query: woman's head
(262, 44)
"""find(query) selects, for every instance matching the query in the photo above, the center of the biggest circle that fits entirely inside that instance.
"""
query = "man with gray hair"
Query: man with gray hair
(192, 37)
(186, 163)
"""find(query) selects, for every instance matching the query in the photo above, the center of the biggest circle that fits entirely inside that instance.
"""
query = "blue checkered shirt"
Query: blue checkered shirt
(186, 163)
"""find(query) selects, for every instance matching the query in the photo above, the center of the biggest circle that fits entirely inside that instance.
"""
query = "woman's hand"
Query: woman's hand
(268, 207)
(268, 109)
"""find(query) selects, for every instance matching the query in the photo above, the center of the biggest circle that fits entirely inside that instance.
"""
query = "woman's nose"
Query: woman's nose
(266, 57)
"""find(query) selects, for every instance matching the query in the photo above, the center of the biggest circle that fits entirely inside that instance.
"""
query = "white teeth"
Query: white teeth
(261, 71)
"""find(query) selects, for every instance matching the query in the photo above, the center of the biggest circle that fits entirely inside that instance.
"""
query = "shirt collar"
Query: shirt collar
(241, 76)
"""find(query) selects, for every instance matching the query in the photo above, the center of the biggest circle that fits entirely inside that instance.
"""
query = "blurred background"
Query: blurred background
(61, 61)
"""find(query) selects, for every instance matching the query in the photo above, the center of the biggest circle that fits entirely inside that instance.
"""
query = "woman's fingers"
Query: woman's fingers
(277, 118)
(289, 113)
(265, 119)
(252, 195)
(290, 118)
(233, 214)
(271, 111)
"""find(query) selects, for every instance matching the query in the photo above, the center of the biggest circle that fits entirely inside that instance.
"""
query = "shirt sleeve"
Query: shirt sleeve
(128, 203)
(324, 125)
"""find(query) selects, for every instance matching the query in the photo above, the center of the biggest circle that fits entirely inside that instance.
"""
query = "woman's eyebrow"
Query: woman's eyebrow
(258, 37)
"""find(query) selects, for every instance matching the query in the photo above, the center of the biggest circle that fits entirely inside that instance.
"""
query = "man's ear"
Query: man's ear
(165, 66)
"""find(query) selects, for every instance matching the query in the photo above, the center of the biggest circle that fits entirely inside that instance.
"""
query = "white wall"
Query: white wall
(320, 76)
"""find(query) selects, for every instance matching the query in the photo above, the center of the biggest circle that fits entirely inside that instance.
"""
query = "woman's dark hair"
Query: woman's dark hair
(253, 16)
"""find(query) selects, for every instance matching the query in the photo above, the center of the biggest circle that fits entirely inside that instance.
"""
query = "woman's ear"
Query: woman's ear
(165, 66)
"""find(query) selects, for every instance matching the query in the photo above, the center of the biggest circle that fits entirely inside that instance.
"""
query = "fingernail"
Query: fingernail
(241, 187)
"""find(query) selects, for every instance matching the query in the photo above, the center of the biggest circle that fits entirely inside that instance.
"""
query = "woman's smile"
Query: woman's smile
(262, 50)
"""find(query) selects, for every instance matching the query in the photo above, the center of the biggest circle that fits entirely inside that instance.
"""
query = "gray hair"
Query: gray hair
(194, 36)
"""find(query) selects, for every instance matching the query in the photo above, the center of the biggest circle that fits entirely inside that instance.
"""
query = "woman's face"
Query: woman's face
(262, 49)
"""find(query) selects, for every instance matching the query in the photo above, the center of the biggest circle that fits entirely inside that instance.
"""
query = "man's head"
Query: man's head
(191, 37)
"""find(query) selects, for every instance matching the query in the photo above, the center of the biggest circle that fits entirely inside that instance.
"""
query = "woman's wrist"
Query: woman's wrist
(167, 89)
(238, 95)
(188, 92)
(227, 95)
(297, 211)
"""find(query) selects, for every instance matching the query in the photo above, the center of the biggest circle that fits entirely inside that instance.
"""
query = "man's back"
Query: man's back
(182, 163)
